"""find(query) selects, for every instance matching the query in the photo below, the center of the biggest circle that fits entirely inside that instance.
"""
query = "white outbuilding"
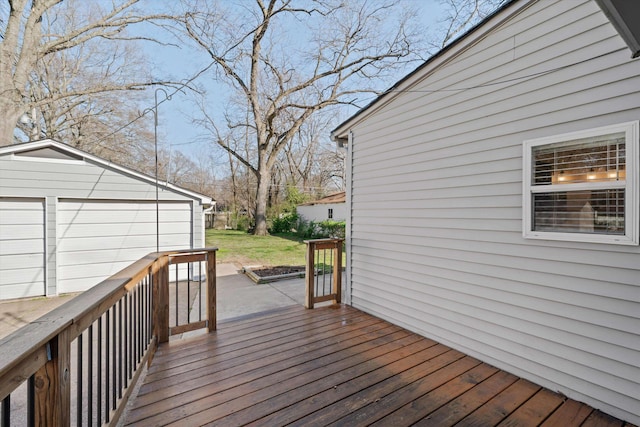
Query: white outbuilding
(331, 207)
(69, 219)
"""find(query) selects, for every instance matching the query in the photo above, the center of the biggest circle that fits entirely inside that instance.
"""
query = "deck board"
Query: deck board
(336, 366)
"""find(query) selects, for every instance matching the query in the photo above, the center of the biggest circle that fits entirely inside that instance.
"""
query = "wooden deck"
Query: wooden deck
(337, 366)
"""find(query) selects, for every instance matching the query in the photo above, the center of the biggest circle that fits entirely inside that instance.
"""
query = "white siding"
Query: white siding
(320, 212)
(22, 238)
(436, 231)
(78, 179)
(98, 238)
(91, 180)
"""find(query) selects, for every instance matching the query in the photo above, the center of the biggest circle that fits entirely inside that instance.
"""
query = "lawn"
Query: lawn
(246, 249)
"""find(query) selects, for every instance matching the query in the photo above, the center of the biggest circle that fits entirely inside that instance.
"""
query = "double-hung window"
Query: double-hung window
(583, 186)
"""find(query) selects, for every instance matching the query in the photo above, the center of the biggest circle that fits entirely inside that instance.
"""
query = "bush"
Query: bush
(242, 222)
(293, 223)
(306, 229)
(334, 229)
(284, 224)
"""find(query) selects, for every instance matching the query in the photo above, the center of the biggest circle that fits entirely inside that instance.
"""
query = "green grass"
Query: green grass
(246, 249)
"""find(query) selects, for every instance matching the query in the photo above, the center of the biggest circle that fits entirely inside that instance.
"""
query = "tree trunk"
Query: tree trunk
(264, 180)
(8, 124)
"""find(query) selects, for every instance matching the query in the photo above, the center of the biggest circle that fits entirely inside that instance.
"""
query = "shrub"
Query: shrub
(334, 229)
(242, 222)
(306, 229)
(284, 224)
(303, 229)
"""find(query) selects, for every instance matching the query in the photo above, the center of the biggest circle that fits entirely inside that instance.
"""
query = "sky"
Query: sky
(176, 131)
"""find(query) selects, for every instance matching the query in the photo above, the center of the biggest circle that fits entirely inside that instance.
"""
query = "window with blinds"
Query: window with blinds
(577, 186)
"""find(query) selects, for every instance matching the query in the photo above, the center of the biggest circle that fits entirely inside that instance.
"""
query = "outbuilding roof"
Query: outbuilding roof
(53, 149)
(331, 198)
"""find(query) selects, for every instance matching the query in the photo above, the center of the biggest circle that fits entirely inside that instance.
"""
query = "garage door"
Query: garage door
(22, 245)
(99, 238)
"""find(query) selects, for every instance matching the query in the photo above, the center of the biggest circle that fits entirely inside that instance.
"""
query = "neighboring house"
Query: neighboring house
(69, 219)
(332, 207)
(494, 199)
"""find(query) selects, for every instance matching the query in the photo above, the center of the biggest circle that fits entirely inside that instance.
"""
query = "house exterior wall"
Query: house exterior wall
(60, 180)
(435, 235)
(319, 212)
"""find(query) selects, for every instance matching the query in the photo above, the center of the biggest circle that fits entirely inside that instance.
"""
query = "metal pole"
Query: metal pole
(155, 141)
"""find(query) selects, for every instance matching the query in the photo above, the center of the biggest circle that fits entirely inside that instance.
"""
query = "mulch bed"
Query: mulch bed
(278, 270)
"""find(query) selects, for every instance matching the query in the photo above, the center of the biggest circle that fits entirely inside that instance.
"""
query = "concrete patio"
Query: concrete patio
(237, 296)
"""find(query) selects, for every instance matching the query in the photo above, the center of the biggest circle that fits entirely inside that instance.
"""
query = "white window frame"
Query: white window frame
(630, 186)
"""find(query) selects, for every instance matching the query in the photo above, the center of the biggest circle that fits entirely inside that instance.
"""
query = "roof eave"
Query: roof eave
(509, 8)
(26, 146)
(625, 22)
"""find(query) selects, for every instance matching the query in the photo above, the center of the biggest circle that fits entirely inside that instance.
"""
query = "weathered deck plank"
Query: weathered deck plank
(336, 366)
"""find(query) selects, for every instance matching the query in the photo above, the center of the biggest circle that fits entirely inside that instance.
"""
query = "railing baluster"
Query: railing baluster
(188, 292)
(332, 256)
(200, 291)
(141, 315)
(90, 377)
(5, 417)
(132, 333)
(107, 364)
(31, 401)
(148, 312)
(142, 326)
(317, 274)
(126, 338)
(114, 353)
(99, 373)
(177, 303)
(120, 348)
(79, 380)
(324, 272)
(211, 291)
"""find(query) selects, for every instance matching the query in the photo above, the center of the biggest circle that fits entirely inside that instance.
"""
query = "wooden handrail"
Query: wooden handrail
(42, 349)
(313, 273)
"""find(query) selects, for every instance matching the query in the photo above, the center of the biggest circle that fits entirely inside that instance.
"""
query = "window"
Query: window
(330, 213)
(583, 186)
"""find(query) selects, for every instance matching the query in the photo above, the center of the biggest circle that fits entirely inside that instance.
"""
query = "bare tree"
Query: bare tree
(286, 60)
(34, 34)
(461, 15)
(312, 160)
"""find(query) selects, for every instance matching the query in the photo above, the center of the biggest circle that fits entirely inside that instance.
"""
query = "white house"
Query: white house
(331, 207)
(69, 219)
(494, 198)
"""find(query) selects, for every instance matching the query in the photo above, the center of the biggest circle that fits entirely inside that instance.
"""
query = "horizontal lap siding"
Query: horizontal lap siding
(75, 179)
(98, 238)
(436, 234)
(60, 180)
(22, 242)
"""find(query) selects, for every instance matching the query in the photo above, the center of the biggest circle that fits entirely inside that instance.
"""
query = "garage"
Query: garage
(99, 238)
(69, 219)
(22, 248)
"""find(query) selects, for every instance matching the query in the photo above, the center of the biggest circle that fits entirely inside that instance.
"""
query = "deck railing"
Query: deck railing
(323, 271)
(79, 363)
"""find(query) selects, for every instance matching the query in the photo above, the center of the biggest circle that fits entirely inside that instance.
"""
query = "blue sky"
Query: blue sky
(176, 131)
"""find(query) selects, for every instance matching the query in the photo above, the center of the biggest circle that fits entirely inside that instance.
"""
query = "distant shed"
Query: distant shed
(69, 219)
(331, 207)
